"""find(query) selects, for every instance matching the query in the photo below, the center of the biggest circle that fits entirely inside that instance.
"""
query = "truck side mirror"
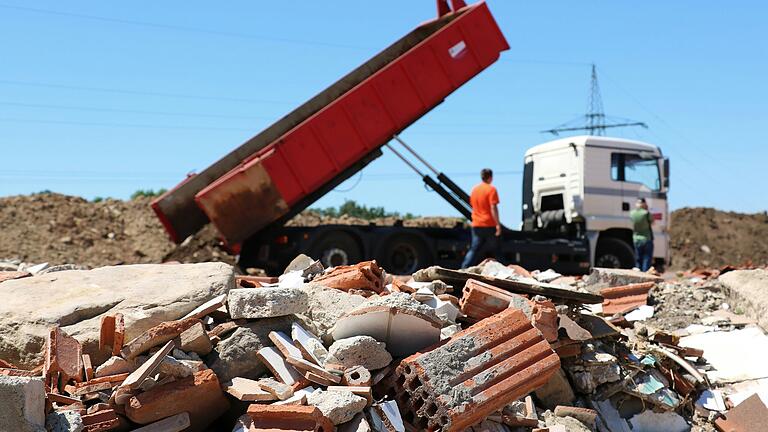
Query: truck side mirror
(666, 173)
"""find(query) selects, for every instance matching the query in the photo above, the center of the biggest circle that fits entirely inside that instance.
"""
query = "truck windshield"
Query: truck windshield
(635, 169)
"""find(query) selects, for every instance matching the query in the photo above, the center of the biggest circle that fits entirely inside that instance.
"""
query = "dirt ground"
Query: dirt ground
(712, 238)
(65, 229)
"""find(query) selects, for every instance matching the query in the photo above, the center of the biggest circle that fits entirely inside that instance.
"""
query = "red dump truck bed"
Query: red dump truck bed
(271, 174)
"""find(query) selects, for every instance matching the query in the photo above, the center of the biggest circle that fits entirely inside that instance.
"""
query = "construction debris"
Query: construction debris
(356, 349)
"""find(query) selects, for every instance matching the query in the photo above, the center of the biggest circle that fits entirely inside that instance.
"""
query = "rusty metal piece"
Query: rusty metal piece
(749, 415)
(475, 373)
(622, 299)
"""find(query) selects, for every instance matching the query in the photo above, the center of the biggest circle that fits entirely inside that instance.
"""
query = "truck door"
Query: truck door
(640, 178)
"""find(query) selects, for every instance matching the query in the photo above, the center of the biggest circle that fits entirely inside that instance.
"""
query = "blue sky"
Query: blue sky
(104, 98)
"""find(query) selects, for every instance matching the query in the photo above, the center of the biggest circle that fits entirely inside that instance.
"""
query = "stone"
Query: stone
(146, 294)
(175, 368)
(64, 421)
(557, 391)
(747, 290)
(195, 339)
(113, 366)
(339, 407)
(199, 395)
(364, 351)
(326, 306)
(236, 356)
(266, 302)
(610, 277)
(22, 404)
(310, 346)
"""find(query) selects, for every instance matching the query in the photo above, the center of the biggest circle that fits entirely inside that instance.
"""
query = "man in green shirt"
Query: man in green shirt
(642, 235)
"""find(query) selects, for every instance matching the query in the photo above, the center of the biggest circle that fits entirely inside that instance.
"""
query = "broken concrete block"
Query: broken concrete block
(339, 407)
(748, 290)
(357, 376)
(22, 404)
(157, 335)
(195, 339)
(64, 354)
(237, 354)
(280, 390)
(326, 306)
(287, 418)
(366, 275)
(610, 277)
(64, 421)
(271, 358)
(266, 302)
(475, 373)
(146, 294)
(311, 347)
(199, 395)
(113, 366)
(299, 397)
(387, 318)
(362, 391)
(362, 351)
(248, 390)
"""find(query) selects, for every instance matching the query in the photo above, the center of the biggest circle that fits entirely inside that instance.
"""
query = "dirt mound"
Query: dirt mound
(65, 229)
(61, 229)
(712, 238)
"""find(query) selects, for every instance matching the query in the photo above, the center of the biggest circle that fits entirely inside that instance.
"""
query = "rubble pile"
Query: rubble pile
(490, 348)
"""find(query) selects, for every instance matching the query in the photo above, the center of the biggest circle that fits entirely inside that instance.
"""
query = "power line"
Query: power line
(121, 125)
(181, 28)
(595, 118)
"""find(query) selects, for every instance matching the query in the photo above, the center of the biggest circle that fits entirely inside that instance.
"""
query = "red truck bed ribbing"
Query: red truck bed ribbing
(272, 173)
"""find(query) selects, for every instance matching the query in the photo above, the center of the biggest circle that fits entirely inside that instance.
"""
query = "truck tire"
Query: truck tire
(336, 248)
(614, 253)
(403, 255)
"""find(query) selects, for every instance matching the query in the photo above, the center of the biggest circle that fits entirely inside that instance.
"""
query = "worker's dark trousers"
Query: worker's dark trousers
(643, 254)
(483, 240)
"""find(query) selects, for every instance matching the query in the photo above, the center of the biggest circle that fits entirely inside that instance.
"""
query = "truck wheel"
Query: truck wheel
(404, 255)
(336, 248)
(614, 253)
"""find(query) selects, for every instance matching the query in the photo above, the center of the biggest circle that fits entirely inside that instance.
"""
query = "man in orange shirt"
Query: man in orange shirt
(486, 228)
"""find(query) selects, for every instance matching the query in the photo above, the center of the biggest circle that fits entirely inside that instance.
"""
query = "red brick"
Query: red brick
(155, 336)
(64, 354)
(288, 418)
(625, 298)
(366, 275)
(5, 364)
(199, 395)
(494, 362)
(107, 332)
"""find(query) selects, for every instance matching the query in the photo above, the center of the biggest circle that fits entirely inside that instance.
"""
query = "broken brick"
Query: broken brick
(622, 299)
(64, 354)
(288, 418)
(494, 362)
(194, 339)
(199, 395)
(366, 276)
(155, 336)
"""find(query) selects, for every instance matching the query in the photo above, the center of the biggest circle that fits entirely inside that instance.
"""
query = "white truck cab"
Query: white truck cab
(587, 185)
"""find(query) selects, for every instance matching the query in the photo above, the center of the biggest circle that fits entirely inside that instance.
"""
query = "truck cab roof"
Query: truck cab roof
(593, 141)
